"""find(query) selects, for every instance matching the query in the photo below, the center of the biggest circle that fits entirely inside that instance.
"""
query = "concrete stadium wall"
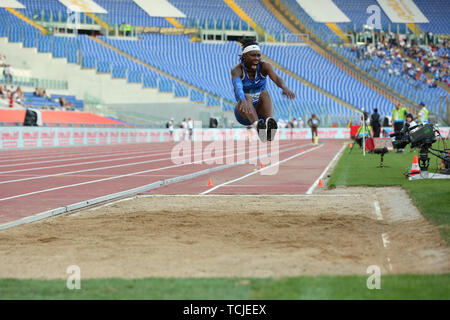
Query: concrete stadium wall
(140, 113)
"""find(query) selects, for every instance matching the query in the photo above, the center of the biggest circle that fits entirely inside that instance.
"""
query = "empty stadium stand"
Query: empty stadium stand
(200, 71)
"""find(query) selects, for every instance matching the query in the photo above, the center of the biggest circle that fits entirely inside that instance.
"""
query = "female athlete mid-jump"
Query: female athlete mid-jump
(254, 107)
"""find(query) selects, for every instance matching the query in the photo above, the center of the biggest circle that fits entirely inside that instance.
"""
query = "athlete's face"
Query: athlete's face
(252, 59)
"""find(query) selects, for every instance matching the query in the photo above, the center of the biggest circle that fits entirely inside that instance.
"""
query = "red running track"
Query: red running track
(37, 180)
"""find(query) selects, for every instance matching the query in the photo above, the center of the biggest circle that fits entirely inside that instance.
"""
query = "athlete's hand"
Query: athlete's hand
(288, 93)
(245, 107)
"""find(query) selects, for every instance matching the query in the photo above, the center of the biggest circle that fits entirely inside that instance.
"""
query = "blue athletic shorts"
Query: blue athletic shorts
(244, 121)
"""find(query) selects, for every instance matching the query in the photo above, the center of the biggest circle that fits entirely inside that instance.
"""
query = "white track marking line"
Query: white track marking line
(384, 236)
(60, 155)
(378, 210)
(121, 176)
(255, 172)
(311, 189)
(88, 170)
(71, 159)
(91, 169)
(245, 195)
(109, 197)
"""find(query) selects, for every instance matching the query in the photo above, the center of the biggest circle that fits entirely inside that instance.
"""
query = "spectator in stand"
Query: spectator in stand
(19, 95)
(3, 91)
(8, 73)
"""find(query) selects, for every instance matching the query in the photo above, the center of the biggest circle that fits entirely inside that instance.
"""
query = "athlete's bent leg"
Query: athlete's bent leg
(264, 108)
(252, 117)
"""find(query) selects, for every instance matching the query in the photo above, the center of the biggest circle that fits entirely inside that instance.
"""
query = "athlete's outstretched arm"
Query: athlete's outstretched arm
(244, 106)
(278, 81)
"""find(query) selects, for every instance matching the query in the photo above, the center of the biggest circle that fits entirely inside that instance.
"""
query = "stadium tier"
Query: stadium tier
(319, 29)
(36, 101)
(356, 11)
(208, 14)
(437, 12)
(392, 70)
(127, 11)
(308, 64)
(205, 67)
(48, 10)
(264, 18)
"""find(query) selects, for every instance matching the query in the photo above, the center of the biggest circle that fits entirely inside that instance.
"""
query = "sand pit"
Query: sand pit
(335, 232)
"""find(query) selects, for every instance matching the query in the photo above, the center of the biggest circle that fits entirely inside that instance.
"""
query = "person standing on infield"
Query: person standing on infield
(314, 123)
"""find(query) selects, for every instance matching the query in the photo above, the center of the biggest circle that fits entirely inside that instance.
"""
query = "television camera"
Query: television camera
(422, 137)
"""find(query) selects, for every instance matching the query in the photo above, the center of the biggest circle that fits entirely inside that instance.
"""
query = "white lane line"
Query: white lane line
(83, 163)
(59, 155)
(255, 172)
(92, 169)
(246, 195)
(71, 159)
(311, 189)
(378, 210)
(154, 185)
(88, 170)
(384, 236)
(130, 174)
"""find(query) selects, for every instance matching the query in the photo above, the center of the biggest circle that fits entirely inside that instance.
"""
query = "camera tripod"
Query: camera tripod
(424, 162)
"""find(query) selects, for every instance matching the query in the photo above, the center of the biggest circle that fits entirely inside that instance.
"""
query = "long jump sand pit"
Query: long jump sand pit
(337, 232)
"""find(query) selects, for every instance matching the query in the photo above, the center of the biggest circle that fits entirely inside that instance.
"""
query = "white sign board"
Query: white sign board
(83, 6)
(402, 11)
(159, 8)
(323, 11)
(11, 4)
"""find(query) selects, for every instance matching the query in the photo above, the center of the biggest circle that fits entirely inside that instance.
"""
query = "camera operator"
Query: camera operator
(410, 125)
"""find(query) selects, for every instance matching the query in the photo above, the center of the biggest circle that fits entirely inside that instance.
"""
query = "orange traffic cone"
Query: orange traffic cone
(320, 183)
(210, 183)
(415, 169)
(301, 150)
(262, 165)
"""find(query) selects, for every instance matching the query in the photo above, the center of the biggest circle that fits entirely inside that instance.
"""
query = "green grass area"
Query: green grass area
(329, 287)
(432, 197)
